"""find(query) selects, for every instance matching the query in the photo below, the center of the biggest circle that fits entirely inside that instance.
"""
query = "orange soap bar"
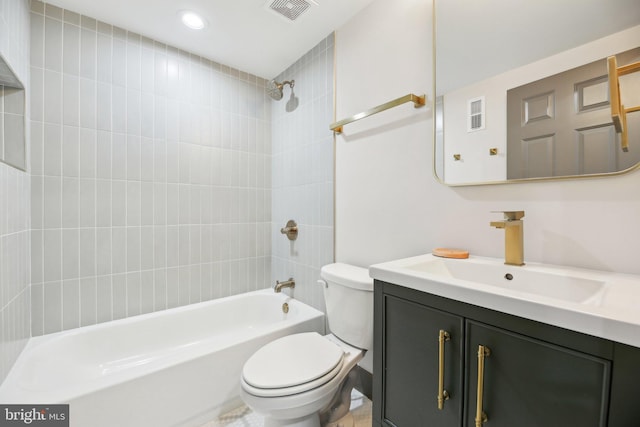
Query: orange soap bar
(451, 253)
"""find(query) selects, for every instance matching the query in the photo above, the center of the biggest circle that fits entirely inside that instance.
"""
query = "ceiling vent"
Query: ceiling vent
(290, 9)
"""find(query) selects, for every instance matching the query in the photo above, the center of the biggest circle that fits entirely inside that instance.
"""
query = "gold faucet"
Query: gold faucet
(513, 237)
(286, 284)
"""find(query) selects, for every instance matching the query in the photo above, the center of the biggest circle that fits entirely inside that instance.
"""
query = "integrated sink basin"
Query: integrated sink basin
(536, 281)
(599, 303)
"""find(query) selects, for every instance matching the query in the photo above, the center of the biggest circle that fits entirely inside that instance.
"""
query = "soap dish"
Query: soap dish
(451, 253)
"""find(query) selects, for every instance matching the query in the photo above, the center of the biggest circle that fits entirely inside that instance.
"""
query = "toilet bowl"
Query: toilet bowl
(305, 380)
(291, 392)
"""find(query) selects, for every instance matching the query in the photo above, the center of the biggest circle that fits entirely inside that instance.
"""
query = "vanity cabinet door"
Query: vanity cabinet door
(411, 362)
(531, 383)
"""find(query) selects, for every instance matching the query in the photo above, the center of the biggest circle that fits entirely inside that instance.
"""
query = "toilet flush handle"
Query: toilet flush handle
(323, 283)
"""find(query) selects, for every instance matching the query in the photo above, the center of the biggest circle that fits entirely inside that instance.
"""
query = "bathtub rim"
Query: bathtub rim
(12, 389)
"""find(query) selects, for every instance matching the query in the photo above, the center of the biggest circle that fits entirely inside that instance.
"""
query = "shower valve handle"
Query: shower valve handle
(291, 230)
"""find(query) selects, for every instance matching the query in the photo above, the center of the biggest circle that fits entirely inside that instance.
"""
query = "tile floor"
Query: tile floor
(244, 417)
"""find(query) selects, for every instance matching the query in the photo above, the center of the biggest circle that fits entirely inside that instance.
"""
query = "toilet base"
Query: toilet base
(311, 421)
(339, 407)
(346, 421)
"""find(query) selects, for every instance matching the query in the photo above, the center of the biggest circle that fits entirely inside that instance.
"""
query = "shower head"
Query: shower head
(274, 89)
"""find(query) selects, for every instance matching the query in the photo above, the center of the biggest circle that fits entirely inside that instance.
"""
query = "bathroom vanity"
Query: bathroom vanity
(446, 356)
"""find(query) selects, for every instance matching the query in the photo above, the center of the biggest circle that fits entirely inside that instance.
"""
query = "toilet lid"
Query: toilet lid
(291, 361)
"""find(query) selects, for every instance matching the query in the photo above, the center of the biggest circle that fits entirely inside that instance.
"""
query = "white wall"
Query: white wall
(389, 205)
(383, 162)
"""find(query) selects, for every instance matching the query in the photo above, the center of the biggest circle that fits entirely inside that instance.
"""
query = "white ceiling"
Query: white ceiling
(242, 34)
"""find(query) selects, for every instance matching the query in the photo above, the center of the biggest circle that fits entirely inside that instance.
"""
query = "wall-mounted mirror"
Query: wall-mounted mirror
(507, 69)
(12, 118)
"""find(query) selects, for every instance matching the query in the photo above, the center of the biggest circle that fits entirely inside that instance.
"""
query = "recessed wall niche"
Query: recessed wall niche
(12, 121)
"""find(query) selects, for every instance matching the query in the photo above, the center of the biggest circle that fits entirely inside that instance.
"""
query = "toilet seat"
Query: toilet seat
(292, 364)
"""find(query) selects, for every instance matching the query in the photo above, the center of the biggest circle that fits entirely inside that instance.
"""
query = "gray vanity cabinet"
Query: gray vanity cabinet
(531, 374)
(411, 364)
(529, 383)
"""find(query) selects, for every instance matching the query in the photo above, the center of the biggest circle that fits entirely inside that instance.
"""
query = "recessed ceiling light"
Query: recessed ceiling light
(193, 20)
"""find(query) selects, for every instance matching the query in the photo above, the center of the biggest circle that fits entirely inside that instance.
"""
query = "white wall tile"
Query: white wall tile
(119, 295)
(103, 106)
(53, 44)
(118, 156)
(147, 114)
(103, 251)
(160, 204)
(71, 49)
(103, 155)
(160, 289)
(118, 108)
(133, 112)
(103, 203)
(87, 242)
(88, 53)
(52, 149)
(146, 159)
(37, 147)
(52, 96)
(52, 307)
(70, 254)
(37, 40)
(88, 301)
(133, 294)
(134, 203)
(146, 203)
(146, 292)
(52, 255)
(104, 299)
(52, 202)
(70, 151)
(70, 100)
(133, 249)
(133, 158)
(87, 202)
(88, 103)
(118, 250)
(118, 203)
(104, 57)
(70, 203)
(37, 202)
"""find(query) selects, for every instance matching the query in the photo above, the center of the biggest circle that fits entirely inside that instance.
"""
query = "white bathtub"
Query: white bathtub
(178, 367)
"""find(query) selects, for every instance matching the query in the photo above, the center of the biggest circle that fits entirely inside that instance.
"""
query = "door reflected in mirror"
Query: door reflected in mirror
(520, 97)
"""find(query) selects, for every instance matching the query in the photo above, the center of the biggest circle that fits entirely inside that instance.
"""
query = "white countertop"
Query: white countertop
(612, 313)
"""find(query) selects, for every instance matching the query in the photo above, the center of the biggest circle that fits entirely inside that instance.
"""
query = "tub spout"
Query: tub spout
(286, 284)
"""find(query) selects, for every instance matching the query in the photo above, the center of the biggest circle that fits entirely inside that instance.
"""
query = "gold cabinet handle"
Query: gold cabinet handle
(481, 417)
(442, 393)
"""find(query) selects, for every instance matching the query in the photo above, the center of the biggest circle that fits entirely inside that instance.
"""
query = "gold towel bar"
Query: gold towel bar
(618, 112)
(418, 101)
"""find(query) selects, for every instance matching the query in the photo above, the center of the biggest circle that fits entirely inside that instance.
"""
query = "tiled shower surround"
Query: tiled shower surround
(151, 175)
(15, 303)
(303, 172)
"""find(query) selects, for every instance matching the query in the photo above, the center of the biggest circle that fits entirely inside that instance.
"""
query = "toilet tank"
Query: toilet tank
(348, 295)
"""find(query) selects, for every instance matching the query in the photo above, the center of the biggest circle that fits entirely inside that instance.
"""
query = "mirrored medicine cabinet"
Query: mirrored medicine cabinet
(523, 89)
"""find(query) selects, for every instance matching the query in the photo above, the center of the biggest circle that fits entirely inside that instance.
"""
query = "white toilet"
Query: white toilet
(305, 380)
